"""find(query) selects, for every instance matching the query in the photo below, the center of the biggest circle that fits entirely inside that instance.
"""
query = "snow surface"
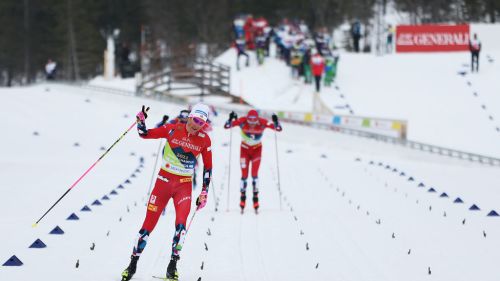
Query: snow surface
(341, 218)
(127, 84)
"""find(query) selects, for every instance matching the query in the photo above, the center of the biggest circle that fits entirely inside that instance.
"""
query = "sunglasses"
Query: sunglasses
(252, 119)
(198, 121)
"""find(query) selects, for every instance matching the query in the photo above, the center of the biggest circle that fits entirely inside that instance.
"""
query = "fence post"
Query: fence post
(202, 79)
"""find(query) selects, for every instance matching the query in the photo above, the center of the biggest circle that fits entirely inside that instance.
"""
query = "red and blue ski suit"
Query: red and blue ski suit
(251, 150)
(174, 180)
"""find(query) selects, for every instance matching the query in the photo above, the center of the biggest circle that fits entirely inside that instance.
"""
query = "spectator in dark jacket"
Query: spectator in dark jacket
(356, 35)
(475, 48)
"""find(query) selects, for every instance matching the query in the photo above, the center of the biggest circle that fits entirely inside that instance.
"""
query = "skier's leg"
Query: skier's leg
(243, 191)
(156, 203)
(317, 79)
(248, 59)
(244, 163)
(308, 74)
(477, 62)
(472, 62)
(182, 204)
(255, 198)
(238, 61)
(257, 154)
(244, 159)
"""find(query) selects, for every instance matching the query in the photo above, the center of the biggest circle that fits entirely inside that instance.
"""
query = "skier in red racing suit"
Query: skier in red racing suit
(185, 142)
(252, 129)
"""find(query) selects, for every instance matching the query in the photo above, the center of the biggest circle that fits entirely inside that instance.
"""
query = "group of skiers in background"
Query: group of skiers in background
(187, 137)
(251, 34)
(310, 55)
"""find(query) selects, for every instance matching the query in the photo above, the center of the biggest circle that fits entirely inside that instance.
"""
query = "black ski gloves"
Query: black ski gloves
(232, 117)
(276, 122)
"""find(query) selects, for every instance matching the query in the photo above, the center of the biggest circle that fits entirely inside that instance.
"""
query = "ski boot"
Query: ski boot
(242, 201)
(130, 270)
(172, 274)
(256, 202)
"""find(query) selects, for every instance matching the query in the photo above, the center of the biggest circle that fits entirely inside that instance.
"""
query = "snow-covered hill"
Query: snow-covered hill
(349, 209)
(442, 106)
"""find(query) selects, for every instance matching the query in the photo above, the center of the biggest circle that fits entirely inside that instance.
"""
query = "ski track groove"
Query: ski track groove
(259, 247)
(240, 251)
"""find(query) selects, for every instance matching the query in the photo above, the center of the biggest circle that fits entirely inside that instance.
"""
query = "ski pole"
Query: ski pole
(215, 195)
(191, 220)
(277, 164)
(86, 172)
(183, 239)
(154, 170)
(229, 168)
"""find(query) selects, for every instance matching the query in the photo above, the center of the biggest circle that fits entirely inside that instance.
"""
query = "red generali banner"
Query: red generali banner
(432, 38)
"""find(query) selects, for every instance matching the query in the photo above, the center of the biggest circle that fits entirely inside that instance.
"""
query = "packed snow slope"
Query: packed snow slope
(351, 209)
(443, 102)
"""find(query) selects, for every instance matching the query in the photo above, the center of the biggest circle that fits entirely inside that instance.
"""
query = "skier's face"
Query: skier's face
(252, 120)
(194, 124)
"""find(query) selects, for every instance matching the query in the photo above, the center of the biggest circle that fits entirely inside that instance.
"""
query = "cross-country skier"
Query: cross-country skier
(317, 66)
(182, 118)
(184, 143)
(240, 44)
(252, 129)
(163, 121)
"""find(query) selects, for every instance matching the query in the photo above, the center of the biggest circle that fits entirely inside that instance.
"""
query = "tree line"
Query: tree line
(71, 32)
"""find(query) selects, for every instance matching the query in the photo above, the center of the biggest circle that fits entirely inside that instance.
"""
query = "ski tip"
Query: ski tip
(34, 225)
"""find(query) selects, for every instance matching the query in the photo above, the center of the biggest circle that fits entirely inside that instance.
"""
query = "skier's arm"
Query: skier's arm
(156, 133)
(207, 165)
(275, 125)
(201, 201)
(232, 121)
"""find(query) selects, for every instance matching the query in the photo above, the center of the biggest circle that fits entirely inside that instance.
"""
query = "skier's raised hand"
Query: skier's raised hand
(276, 122)
(141, 121)
(142, 115)
(232, 116)
(275, 118)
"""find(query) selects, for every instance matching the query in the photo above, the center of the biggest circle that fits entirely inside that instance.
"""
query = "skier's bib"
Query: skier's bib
(173, 165)
(251, 139)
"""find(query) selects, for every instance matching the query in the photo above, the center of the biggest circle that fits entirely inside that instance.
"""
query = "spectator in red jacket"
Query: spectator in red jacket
(317, 66)
(249, 32)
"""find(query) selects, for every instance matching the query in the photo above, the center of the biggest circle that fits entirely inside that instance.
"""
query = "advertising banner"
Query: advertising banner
(432, 38)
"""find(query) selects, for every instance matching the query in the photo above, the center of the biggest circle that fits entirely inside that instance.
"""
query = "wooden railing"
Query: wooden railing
(200, 78)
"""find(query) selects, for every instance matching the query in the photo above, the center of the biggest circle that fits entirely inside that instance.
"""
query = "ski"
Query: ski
(164, 278)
